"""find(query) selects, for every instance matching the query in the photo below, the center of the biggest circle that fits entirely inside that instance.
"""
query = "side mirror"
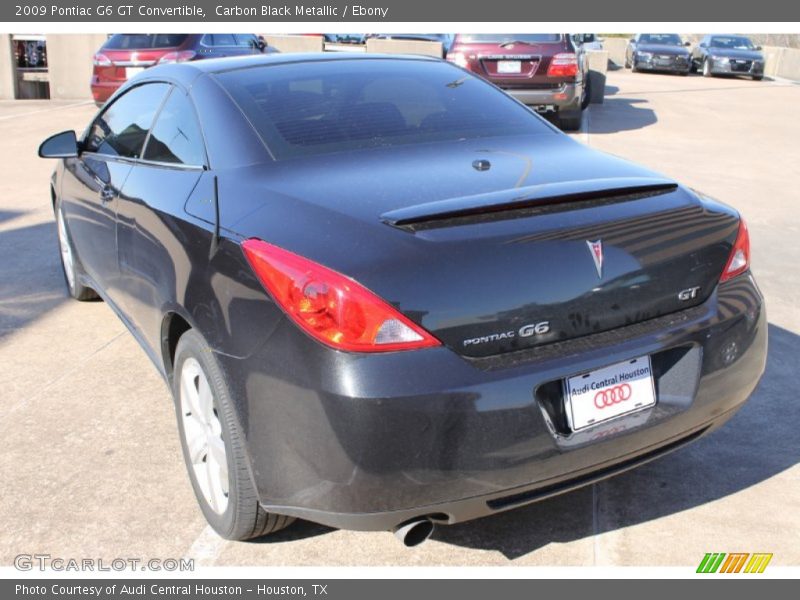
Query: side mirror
(262, 43)
(759, 48)
(632, 40)
(687, 43)
(60, 145)
(703, 45)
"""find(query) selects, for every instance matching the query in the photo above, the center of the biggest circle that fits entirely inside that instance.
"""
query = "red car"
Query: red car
(547, 71)
(125, 54)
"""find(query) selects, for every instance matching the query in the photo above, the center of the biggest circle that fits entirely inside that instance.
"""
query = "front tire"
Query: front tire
(707, 68)
(71, 267)
(213, 446)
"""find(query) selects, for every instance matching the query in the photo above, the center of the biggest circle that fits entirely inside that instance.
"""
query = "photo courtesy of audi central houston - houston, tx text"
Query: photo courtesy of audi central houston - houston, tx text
(517, 298)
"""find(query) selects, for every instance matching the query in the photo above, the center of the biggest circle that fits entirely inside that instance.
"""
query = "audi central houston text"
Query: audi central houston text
(361, 327)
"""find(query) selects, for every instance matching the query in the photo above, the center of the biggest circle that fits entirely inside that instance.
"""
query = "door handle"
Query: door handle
(107, 194)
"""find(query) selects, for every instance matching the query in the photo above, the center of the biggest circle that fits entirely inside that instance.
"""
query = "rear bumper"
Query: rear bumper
(103, 90)
(566, 96)
(368, 442)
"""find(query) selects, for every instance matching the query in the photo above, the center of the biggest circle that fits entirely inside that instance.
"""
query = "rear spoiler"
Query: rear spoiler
(494, 204)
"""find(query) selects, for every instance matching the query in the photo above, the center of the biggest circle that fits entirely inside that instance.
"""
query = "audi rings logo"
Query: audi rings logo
(614, 395)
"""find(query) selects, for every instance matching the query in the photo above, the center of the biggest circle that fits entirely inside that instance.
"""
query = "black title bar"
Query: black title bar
(441, 11)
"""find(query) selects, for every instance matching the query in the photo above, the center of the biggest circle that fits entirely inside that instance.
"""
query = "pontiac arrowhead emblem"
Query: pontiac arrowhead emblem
(596, 248)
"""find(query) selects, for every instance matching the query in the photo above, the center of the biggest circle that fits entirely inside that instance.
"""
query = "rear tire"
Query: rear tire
(570, 120)
(213, 445)
(71, 267)
(587, 92)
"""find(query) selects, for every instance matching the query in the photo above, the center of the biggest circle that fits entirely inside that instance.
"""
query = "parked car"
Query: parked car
(728, 55)
(589, 41)
(547, 71)
(484, 314)
(124, 55)
(658, 52)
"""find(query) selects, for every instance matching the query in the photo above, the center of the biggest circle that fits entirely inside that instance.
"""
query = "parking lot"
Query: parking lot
(91, 465)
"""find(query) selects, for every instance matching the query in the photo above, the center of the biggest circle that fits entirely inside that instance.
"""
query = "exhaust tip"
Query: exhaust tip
(413, 533)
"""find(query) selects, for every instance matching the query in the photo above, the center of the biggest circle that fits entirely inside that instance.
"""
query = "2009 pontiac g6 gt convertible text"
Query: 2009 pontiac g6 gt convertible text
(387, 295)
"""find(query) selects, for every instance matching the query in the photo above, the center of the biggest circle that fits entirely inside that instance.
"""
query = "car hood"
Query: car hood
(733, 53)
(663, 49)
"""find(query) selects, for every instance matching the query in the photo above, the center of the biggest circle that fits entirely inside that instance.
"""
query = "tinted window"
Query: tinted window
(176, 138)
(669, 39)
(503, 38)
(332, 106)
(732, 42)
(219, 39)
(133, 41)
(248, 41)
(121, 129)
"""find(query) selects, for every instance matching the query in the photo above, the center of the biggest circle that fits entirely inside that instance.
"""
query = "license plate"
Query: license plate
(509, 66)
(609, 392)
(131, 71)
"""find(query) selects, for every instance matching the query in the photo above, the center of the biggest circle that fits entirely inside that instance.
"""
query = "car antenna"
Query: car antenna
(215, 237)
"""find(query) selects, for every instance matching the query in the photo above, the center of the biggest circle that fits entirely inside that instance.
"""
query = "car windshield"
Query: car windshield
(505, 38)
(666, 39)
(139, 41)
(326, 106)
(731, 42)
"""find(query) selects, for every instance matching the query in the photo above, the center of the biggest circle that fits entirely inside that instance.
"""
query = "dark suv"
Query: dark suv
(547, 71)
(125, 54)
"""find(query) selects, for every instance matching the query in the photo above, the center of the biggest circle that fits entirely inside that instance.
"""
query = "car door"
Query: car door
(153, 237)
(92, 182)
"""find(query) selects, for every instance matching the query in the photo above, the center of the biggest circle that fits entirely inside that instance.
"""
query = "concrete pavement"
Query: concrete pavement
(91, 463)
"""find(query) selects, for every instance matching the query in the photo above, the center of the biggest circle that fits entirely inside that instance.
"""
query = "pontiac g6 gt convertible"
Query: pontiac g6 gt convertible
(386, 295)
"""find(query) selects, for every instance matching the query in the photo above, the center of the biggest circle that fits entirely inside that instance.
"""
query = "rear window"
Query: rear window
(333, 106)
(141, 41)
(505, 38)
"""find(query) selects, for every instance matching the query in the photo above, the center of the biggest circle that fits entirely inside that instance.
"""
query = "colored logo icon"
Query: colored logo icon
(734, 562)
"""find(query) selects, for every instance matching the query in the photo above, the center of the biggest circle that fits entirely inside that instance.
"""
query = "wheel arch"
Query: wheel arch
(173, 326)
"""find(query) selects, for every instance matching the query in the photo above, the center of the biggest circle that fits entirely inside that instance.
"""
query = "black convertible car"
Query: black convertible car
(387, 295)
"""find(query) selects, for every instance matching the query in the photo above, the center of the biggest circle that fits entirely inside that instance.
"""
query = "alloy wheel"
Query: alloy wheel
(202, 431)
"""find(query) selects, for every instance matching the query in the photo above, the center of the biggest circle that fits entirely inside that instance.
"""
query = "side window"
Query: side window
(121, 129)
(246, 41)
(175, 137)
(219, 39)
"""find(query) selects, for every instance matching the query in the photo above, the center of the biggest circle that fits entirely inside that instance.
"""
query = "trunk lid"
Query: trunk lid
(483, 258)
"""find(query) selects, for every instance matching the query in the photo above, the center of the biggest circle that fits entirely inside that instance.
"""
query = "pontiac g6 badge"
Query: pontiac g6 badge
(596, 248)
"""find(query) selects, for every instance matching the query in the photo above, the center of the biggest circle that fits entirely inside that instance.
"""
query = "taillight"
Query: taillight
(101, 60)
(563, 65)
(739, 260)
(458, 58)
(176, 57)
(330, 307)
